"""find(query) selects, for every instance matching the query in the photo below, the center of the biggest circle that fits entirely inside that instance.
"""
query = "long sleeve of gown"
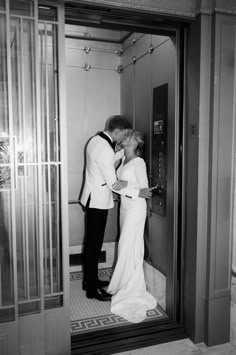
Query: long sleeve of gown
(141, 173)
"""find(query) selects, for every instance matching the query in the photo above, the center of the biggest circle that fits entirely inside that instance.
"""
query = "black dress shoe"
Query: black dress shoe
(100, 294)
(100, 283)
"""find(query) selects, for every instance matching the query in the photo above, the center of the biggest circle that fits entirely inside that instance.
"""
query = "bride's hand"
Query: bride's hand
(145, 193)
(119, 185)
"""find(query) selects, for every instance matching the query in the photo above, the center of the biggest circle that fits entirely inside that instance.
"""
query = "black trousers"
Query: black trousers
(95, 227)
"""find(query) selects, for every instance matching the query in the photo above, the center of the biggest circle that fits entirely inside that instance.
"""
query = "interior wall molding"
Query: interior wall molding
(184, 8)
(225, 11)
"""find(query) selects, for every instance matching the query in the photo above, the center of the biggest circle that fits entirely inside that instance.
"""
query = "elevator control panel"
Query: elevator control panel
(159, 149)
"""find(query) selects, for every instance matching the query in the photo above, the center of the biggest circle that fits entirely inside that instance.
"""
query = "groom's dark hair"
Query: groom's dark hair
(117, 121)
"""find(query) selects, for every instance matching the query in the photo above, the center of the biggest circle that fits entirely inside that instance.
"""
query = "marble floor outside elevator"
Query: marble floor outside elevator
(183, 347)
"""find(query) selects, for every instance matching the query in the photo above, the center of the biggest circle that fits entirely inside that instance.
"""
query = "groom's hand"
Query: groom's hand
(119, 185)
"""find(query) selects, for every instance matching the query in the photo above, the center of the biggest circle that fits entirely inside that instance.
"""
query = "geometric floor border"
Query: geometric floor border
(106, 321)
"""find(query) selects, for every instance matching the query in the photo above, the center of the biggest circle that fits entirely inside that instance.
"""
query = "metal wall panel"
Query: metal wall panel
(155, 64)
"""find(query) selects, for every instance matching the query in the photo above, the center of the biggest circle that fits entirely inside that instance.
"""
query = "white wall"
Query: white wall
(92, 96)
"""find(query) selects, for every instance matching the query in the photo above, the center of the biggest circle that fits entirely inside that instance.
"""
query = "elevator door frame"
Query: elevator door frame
(154, 332)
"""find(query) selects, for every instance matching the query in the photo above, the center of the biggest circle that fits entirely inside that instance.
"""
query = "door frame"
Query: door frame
(154, 332)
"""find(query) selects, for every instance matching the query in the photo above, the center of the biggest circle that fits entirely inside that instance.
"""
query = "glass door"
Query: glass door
(33, 300)
(8, 326)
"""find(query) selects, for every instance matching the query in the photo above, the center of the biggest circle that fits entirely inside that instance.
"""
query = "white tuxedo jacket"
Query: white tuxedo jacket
(100, 175)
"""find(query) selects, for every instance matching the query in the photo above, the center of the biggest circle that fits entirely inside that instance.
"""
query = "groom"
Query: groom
(97, 198)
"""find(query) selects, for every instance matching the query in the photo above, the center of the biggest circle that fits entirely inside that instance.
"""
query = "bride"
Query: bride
(130, 298)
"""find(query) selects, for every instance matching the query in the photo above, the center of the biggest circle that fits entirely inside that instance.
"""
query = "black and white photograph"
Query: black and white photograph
(118, 177)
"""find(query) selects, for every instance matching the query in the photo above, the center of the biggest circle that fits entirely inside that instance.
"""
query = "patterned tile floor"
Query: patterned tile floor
(90, 314)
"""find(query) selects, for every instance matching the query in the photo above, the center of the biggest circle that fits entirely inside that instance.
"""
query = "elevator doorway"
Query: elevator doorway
(124, 71)
(34, 312)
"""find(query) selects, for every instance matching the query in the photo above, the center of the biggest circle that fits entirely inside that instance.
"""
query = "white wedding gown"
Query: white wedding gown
(130, 299)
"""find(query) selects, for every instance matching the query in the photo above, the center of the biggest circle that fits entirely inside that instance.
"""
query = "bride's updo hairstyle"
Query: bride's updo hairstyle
(139, 139)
